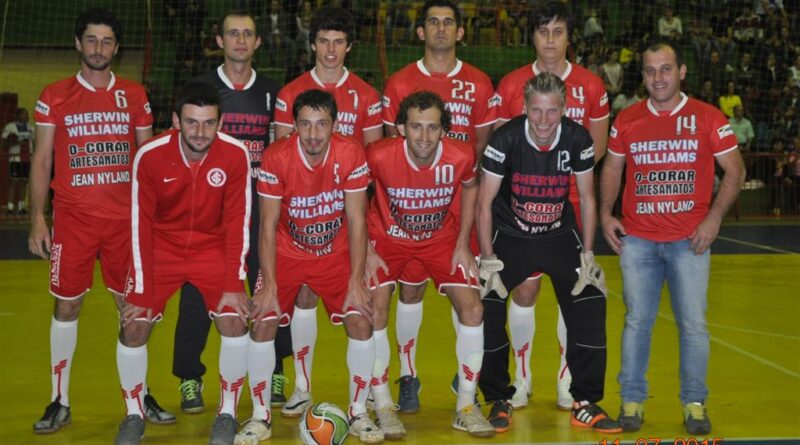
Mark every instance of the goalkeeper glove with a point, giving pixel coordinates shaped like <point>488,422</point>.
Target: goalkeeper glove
<point>490,277</point>
<point>591,273</point>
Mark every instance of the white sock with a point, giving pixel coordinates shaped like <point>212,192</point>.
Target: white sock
<point>260,364</point>
<point>469,350</point>
<point>380,372</point>
<point>409,319</point>
<point>454,319</point>
<point>561,333</point>
<point>232,369</point>
<point>132,368</point>
<point>522,326</point>
<point>63,339</point>
<point>304,338</point>
<point>360,362</point>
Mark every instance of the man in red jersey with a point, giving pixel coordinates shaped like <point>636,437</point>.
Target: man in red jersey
<point>668,146</point>
<point>87,129</point>
<point>312,187</point>
<point>359,117</point>
<point>417,179</point>
<point>587,104</point>
<point>469,97</point>
<point>190,213</point>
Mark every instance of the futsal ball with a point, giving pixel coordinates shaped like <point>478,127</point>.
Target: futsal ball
<point>323,424</point>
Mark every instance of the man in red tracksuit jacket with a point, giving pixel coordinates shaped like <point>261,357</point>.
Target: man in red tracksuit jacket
<point>189,223</point>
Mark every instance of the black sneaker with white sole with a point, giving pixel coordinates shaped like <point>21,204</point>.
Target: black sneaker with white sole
<point>55,416</point>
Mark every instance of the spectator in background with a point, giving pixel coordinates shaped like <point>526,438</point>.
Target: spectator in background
<point>213,55</point>
<point>707,93</point>
<point>299,66</point>
<point>670,27</point>
<point>630,95</point>
<point>276,36</point>
<point>301,41</point>
<point>794,71</point>
<point>188,56</point>
<point>516,18</point>
<point>745,73</point>
<point>777,178</point>
<point>485,16</point>
<point>772,74</point>
<point>716,72</point>
<point>747,28</point>
<point>612,73</point>
<point>729,100</point>
<point>722,30</point>
<point>742,128</point>
<point>701,36</point>
<point>592,29</point>
<point>794,173</point>
<point>17,139</point>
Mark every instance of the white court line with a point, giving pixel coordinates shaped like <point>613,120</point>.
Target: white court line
<point>756,245</point>
<point>735,348</point>
<point>752,331</point>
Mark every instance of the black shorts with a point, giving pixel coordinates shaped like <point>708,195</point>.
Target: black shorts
<point>19,169</point>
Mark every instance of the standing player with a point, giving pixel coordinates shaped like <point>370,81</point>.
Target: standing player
<point>87,129</point>
<point>359,116</point>
<point>189,217</point>
<point>469,97</point>
<point>312,187</point>
<point>526,224</point>
<point>417,179</point>
<point>17,138</point>
<point>668,146</point>
<point>587,104</point>
<point>247,106</point>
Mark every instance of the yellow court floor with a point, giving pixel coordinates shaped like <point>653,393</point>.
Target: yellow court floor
<point>754,377</point>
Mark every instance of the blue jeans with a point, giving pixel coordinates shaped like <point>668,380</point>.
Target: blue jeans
<point>645,266</point>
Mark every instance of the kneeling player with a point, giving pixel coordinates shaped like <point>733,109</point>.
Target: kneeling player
<point>416,180</point>
<point>313,191</point>
<point>190,216</point>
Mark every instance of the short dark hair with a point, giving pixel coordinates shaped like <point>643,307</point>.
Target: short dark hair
<point>439,4</point>
<point>659,45</point>
<point>235,13</point>
<point>331,18</point>
<point>552,10</point>
<point>97,16</point>
<point>200,94</point>
<point>317,100</point>
<point>424,100</point>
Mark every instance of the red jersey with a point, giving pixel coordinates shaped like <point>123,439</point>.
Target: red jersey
<point>95,140</point>
<point>312,222</point>
<point>192,208</point>
<point>358,104</point>
<point>415,205</point>
<point>466,91</point>
<point>587,99</point>
<point>669,165</point>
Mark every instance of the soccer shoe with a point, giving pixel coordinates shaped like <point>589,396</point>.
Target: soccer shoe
<point>365,429</point>
<point>564,400</point>
<point>154,413</point>
<point>388,422</point>
<point>297,403</point>
<point>592,416</point>
<point>500,415</point>
<point>277,399</point>
<point>408,396</point>
<point>631,416</point>
<point>253,432</point>
<point>131,431</point>
<point>521,394</point>
<point>223,431</point>
<point>695,419</point>
<point>454,388</point>
<point>471,420</point>
<point>55,416</point>
<point>191,396</point>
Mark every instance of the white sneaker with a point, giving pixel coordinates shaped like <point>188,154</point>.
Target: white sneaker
<point>253,432</point>
<point>389,423</point>
<point>521,395</point>
<point>564,401</point>
<point>297,404</point>
<point>365,429</point>
<point>472,421</point>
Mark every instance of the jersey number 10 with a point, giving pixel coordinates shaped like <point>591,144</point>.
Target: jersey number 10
<point>444,174</point>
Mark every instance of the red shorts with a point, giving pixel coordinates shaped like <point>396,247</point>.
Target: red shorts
<point>327,276</point>
<point>174,267</point>
<point>78,240</point>
<point>434,259</point>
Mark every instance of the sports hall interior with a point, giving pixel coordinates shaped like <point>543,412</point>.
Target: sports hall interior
<point>753,299</point>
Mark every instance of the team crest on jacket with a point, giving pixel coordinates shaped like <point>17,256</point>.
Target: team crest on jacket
<point>216,177</point>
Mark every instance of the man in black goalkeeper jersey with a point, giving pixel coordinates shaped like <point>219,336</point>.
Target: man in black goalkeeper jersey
<point>526,224</point>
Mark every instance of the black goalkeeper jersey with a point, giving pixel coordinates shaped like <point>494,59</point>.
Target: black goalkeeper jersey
<point>247,112</point>
<point>532,200</point>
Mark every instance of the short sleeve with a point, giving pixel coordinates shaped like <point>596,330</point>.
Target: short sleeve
<point>583,152</point>
<point>44,114</point>
<point>722,136</point>
<point>494,157</point>
<point>358,177</point>
<point>271,184</point>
